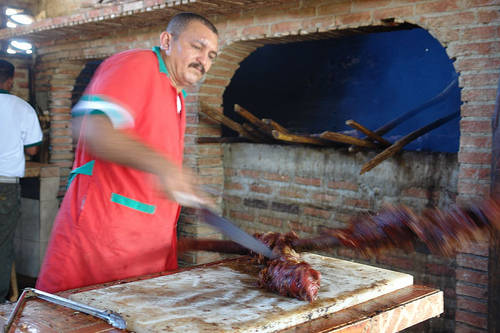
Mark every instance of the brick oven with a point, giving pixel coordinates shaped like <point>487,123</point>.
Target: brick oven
<point>303,188</point>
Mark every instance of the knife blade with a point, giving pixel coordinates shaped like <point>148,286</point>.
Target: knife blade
<point>224,226</point>
<point>236,234</point>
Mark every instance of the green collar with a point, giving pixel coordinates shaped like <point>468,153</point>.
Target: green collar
<point>162,66</point>
<point>4,91</point>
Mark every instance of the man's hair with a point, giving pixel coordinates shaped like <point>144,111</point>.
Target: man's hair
<point>6,70</point>
<point>180,21</point>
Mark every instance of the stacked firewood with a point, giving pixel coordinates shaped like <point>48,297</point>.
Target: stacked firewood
<point>269,131</point>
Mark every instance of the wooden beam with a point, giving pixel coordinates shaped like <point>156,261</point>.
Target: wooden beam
<point>256,122</point>
<point>220,118</point>
<point>372,135</point>
<point>294,138</point>
<point>398,145</point>
<point>339,137</point>
<point>274,125</point>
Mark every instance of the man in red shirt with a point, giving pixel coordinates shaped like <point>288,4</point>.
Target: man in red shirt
<point>119,215</point>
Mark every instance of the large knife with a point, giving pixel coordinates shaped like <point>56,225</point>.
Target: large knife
<point>225,226</point>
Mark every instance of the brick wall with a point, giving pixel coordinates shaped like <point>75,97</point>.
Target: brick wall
<point>470,30</point>
<point>282,188</point>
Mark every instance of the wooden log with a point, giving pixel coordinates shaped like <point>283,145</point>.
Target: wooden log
<point>439,97</point>
<point>256,134</point>
<point>338,137</point>
<point>398,145</point>
<point>229,123</point>
<point>256,122</point>
<point>372,135</point>
<point>274,125</point>
<point>295,138</point>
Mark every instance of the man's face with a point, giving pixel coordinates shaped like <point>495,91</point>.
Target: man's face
<point>190,55</point>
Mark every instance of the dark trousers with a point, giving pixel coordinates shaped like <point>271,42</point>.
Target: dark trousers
<point>10,203</point>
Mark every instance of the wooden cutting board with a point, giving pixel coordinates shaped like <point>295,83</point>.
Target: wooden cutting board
<point>225,297</point>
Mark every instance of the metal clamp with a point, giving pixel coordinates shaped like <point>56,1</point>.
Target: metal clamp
<point>112,318</point>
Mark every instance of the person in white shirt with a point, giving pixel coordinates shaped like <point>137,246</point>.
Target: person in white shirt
<point>20,133</point>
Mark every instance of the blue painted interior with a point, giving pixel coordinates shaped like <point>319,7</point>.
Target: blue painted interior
<point>311,87</point>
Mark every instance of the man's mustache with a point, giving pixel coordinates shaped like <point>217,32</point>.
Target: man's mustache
<point>198,66</point>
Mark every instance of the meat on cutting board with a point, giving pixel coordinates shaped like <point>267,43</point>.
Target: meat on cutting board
<point>287,274</point>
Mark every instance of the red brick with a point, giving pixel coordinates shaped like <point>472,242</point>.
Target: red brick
<point>416,192</point>
<point>393,261</point>
<point>291,193</point>
<point>324,197</point>
<point>469,110</point>
<point>241,216</point>
<point>479,94</point>
<point>250,173</point>
<point>472,291</point>
<point>474,157</point>
<point>480,190</point>
<point>271,221</point>
<point>232,199</point>
<point>472,319</point>
<point>474,173</point>
<point>479,79</point>
<point>343,186</point>
<point>475,126</point>
<point>317,23</point>
<point>233,186</point>
<point>478,3</point>
<point>397,12</point>
<point>356,19</point>
<point>297,226</point>
<point>358,5</point>
<point>468,275</point>
<point>449,20</point>
<point>478,33</point>
<point>471,261</point>
<point>480,48</point>
<point>286,27</point>
<point>260,189</point>
<point>439,269</point>
<point>275,176</point>
<point>317,212</point>
<point>470,64</point>
<point>359,203</point>
<point>476,248</point>
<point>334,8</point>
<point>462,328</point>
<point>308,181</point>
<point>488,16</point>
<point>436,7</point>
<point>475,141</point>
<point>468,304</point>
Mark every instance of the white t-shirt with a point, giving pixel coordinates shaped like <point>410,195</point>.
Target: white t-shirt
<point>19,127</point>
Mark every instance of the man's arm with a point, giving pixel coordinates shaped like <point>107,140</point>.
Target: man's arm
<point>32,151</point>
<point>112,145</point>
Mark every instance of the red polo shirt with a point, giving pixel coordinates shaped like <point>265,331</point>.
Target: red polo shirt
<point>113,223</point>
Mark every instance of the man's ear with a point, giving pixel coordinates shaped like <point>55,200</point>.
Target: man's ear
<point>165,41</point>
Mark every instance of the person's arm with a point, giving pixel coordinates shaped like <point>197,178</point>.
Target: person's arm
<point>115,146</point>
<point>32,151</point>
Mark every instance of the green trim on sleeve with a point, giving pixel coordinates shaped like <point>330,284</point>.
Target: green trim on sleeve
<point>86,169</point>
<point>131,203</point>
<point>184,93</point>
<point>33,144</point>
<point>94,104</point>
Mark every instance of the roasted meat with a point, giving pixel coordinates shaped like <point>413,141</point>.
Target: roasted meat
<point>287,274</point>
